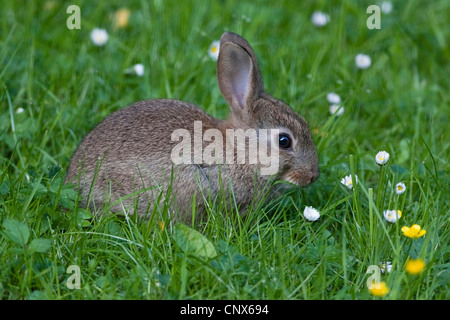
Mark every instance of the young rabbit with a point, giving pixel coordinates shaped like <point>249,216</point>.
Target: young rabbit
<point>128,160</point>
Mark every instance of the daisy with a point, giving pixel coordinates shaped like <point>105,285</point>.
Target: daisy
<point>347,181</point>
<point>336,108</point>
<point>99,36</point>
<point>214,49</point>
<point>319,18</point>
<point>392,215</point>
<point>400,188</point>
<point>386,267</point>
<point>139,69</point>
<point>386,7</point>
<point>333,98</point>
<point>362,61</point>
<point>311,214</point>
<point>382,158</point>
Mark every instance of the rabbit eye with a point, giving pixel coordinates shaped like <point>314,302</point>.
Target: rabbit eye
<point>284,141</point>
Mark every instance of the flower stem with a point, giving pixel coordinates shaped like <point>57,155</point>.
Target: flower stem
<point>371,218</point>
<point>355,189</point>
<point>380,191</point>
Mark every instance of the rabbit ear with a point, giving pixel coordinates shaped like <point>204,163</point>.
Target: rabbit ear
<point>237,72</point>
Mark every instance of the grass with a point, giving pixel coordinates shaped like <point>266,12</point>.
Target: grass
<point>65,85</point>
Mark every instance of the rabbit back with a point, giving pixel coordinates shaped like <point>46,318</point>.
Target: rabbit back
<point>130,153</point>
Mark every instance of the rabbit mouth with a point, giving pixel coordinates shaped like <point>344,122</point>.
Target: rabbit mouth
<point>301,178</point>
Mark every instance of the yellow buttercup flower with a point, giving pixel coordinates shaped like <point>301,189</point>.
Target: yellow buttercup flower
<point>414,232</point>
<point>121,17</point>
<point>414,266</point>
<point>50,5</point>
<point>379,289</point>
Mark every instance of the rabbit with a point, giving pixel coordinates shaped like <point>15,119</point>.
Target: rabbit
<point>126,162</point>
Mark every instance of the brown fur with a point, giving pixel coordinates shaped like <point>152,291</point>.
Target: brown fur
<point>129,152</point>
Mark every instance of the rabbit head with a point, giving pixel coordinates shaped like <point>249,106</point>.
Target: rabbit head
<point>242,87</point>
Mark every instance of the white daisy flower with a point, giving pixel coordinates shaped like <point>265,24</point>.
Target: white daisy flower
<point>386,7</point>
<point>214,49</point>
<point>347,181</point>
<point>99,36</point>
<point>362,61</point>
<point>311,214</point>
<point>400,188</point>
<point>333,98</point>
<point>319,18</point>
<point>139,69</point>
<point>382,158</point>
<point>392,215</point>
<point>336,108</point>
<point>386,267</point>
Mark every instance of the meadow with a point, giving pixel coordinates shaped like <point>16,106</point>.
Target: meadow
<point>56,84</point>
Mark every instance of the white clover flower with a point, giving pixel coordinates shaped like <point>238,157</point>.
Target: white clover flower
<point>386,7</point>
<point>347,181</point>
<point>400,188</point>
<point>392,215</point>
<point>362,61</point>
<point>214,49</point>
<point>336,108</point>
<point>333,98</point>
<point>19,110</point>
<point>386,267</point>
<point>139,69</point>
<point>319,18</point>
<point>99,36</point>
<point>382,158</point>
<point>311,214</point>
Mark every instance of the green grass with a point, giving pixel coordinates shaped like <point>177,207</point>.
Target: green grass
<point>66,85</point>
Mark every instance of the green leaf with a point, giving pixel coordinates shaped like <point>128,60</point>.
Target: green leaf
<point>193,242</point>
<point>40,245</point>
<point>53,171</point>
<point>67,197</point>
<point>114,229</point>
<point>16,231</point>
<point>15,250</point>
<point>38,295</point>
<point>5,187</point>
<point>397,169</point>
<point>39,189</point>
<point>82,217</point>
<point>230,259</point>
